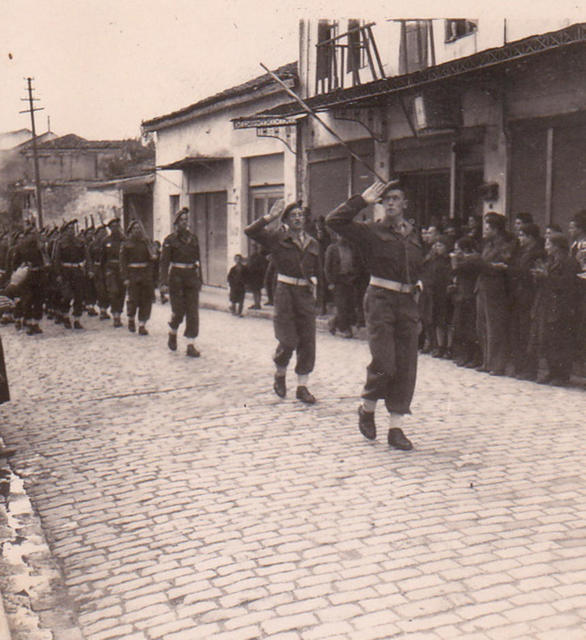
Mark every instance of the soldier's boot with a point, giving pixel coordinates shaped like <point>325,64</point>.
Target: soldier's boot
<point>280,386</point>
<point>192,352</point>
<point>104,315</point>
<point>131,324</point>
<point>67,322</point>
<point>305,395</point>
<point>172,341</point>
<point>398,440</point>
<point>77,324</point>
<point>366,423</point>
<point>142,330</point>
<point>33,329</point>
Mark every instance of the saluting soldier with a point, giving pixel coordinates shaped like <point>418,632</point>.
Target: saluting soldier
<point>180,277</point>
<point>394,258</point>
<point>296,258</point>
<point>110,262</point>
<point>70,263</point>
<point>136,265</point>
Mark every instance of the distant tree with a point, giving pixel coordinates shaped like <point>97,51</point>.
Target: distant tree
<point>133,158</point>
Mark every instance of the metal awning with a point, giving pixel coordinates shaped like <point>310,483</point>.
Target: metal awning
<point>377,92</point>
<point>194,161</point>
<point>127,184</point>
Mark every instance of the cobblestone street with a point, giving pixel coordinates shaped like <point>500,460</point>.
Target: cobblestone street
<point>182,499</point>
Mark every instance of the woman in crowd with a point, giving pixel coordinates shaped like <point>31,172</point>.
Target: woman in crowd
<point>557,306</point>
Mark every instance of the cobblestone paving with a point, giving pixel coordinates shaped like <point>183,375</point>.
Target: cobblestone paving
<point>183,500</point>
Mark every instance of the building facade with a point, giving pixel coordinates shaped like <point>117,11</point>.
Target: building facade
<point>473,116</point>
<point>224,175</point>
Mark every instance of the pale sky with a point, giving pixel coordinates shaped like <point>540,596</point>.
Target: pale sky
<point>102,66</point>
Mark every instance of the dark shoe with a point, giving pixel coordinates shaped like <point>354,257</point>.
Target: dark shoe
<point>142,331</point>
<point>172,341</point>
<point>131,325</point>
<point>332,326</point>
<point>67,323</point>
<point>117,323</point>
<point>305,395</point>
<point>280,386</point>
<point>192,352</point>
<point>398,440</point>
<point>104,315</point>
<point>33,330</point>
<point>366,423</point>
<point>77,324</point>
<point>91,312</point>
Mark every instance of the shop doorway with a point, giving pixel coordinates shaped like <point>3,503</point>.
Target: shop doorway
<point>209,220</point>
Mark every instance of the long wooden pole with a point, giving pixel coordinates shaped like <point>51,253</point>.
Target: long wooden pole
<point>314,115</point>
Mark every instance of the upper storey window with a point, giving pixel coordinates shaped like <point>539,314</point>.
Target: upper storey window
<point>458,28</point>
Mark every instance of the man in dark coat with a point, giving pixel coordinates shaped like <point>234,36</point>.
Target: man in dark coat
<point>341,273</point>
<point>180,277</point>
<point>394,257</point>
<point>296,257</point>
<point>136,265</point>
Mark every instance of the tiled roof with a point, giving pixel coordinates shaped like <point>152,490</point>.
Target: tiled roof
<point>71,141</point>
<point>286,72</point>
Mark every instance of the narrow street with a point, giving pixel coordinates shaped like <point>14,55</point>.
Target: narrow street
<point>181,499</point>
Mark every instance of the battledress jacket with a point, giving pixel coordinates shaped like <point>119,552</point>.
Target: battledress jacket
<point>289,258</point>
<point>387,253</point>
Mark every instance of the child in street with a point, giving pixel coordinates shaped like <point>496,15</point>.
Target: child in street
<point>237,283</point>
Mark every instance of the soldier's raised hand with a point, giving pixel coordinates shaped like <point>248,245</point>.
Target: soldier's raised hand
<point>374,193</point>
<point>276,210</point>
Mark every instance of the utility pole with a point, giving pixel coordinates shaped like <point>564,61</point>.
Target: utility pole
<point>32,110</point>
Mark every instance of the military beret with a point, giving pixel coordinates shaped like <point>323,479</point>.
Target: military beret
<point>181,212</point>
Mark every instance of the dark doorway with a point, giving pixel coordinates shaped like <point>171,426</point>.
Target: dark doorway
<point>209,220</point>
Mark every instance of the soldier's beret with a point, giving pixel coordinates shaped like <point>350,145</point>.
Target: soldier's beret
<point>181,212</point>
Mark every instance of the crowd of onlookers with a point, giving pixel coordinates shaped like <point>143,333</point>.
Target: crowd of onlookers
<point>503,301</point>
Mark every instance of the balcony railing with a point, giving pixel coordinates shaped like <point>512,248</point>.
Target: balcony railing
<point>342,58</point>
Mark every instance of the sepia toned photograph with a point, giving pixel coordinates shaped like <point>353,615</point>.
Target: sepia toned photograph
<point>292,320</point>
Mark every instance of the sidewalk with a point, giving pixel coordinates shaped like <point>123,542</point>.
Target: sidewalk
<point>217,298</point>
